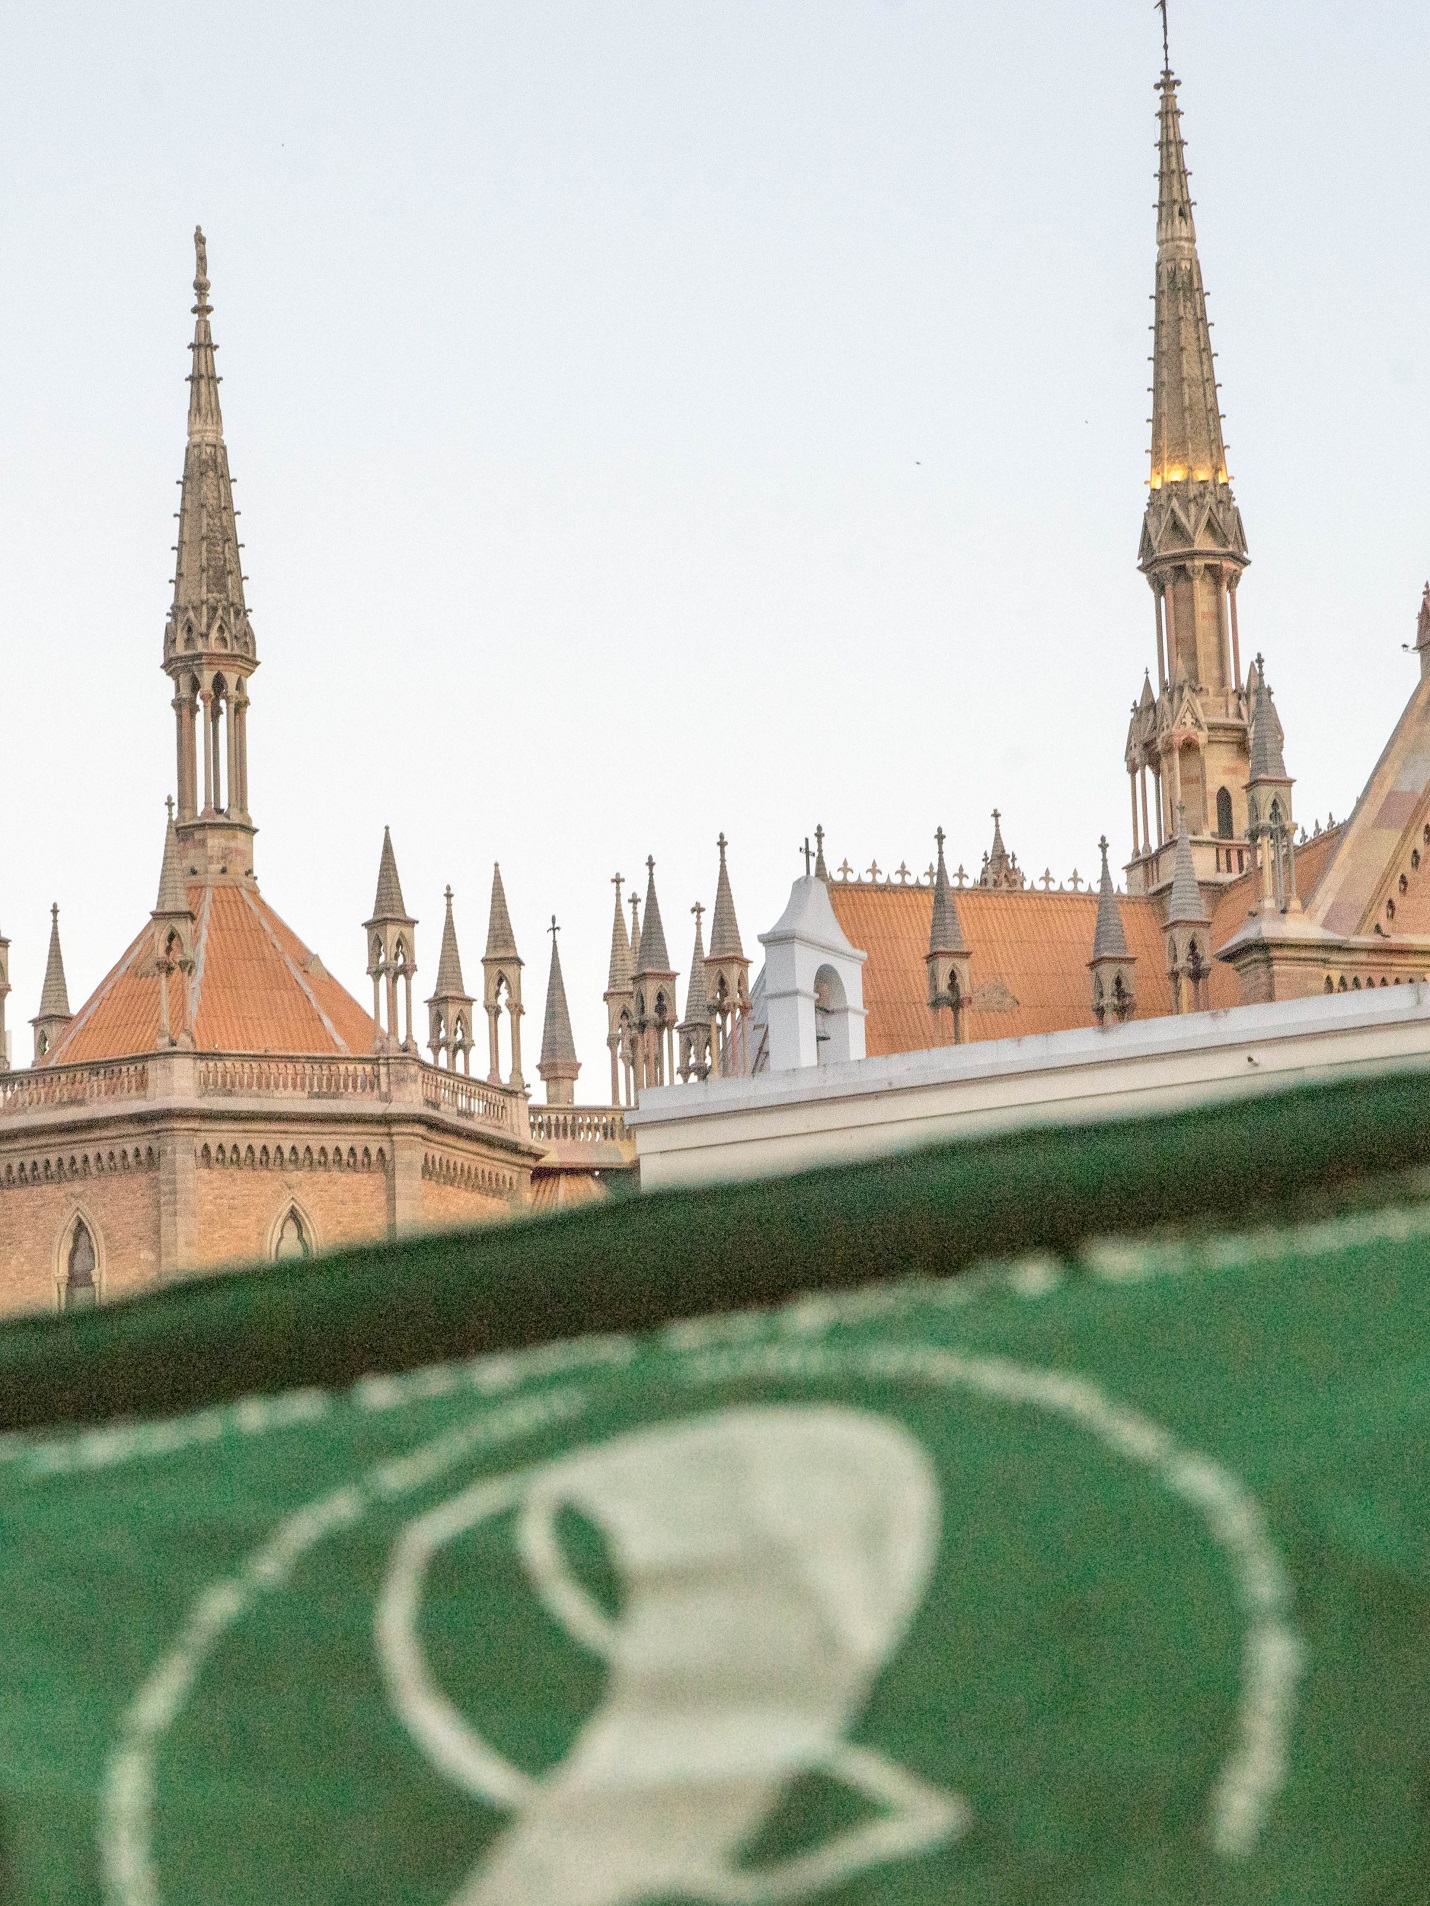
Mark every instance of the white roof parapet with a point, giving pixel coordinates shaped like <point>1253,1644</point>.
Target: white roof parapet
<point>783,1121</point>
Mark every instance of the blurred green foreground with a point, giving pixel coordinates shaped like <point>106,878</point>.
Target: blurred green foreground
<point>1045,1519</point>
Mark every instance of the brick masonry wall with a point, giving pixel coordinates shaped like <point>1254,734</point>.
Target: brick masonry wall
<point>240,1208</point>
<point>37,1224</point>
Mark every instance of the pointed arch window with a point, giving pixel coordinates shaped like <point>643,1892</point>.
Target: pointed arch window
<point>80,1291</point>
<point>1223,813</point>
<point>293,1239</point>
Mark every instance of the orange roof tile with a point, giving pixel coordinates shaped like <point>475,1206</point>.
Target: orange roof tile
<point>1030,953</point>
<point>255,988</point>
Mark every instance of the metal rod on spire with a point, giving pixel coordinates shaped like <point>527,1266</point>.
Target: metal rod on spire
<point>1160,6</point>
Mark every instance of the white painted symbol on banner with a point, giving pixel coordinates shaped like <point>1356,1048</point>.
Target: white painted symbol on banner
<point>770,1562</point>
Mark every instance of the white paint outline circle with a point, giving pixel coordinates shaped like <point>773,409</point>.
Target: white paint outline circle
<point>1272,1650</point>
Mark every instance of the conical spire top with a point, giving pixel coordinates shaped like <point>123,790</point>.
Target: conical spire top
<point>501,940</point>
<point>724,928</point>
<point>697,999</point>
<point>389,904</point>
<point>1187,440</point>
<point>209,611</point>
<point>821,870</point>
<point>654,958</point>
<point>1185,905</point>
<point>618,980</point>
<point>173,892</point>
<point>449,963</point>
<point>54,994</point>
<point>945,929</point>
<point>635,932</point>
<point>558,1047</point>
<point>1109,942</point>
<point>1268,762</point>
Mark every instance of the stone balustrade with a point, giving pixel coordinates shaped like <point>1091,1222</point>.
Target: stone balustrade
<point>234,1076</point>
<point>52,1087</point>
<point>468,1098</point>
<point>579,1124</point>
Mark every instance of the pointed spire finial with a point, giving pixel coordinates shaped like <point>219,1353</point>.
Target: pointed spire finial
<point>821,871</point>
<point>1160,6</point>
<point>201,272</point>
<point>725,941</point>
<point>553,929</point>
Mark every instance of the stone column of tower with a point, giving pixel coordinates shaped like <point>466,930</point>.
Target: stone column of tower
<point>209,651</point>
<point>558,1065</point>
<point>1194,737</point>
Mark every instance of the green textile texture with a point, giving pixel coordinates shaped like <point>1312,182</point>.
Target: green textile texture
<point>1098,1574</point>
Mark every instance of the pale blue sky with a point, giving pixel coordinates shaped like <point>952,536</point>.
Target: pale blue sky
<point>654,417</point>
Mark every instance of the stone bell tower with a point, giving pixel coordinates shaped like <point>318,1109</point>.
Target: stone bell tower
<point>209,651</point>
<point>1189,745</point>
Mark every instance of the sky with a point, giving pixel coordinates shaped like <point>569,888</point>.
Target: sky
<point>659,417</point>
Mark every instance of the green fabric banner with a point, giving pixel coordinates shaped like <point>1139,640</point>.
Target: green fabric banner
<point>1097,1573</point>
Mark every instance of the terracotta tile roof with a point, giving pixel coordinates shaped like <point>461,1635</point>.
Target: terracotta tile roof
<point>1030,953</point>
<point>255,988</point>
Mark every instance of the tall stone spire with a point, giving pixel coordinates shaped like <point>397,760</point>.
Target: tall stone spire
<point>209,651</point>
<point>558,1065</point>
<point>54,1014</point>
<point>1194,746</point>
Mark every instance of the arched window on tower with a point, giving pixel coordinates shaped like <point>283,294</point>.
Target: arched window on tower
<point>1223,813</point>
<point>293,1239</point>
<point>80,1291</point>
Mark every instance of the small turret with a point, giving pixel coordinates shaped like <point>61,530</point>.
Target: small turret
<point>558,1065</point>
<point>174,951</point>
<point>449,1010</point>
<point>727,981</point>
<point>656,1010</point>
<point>1000,868</point>
<point>1111,964</point>
<point>1188,929</point>
<point>948,959</point>
<point>391,953</point>
<point>54,1014</point>
<point>695,1027</point>
<point>620,1002</point>
<point>1268,801</point>
<point>501,984</point>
